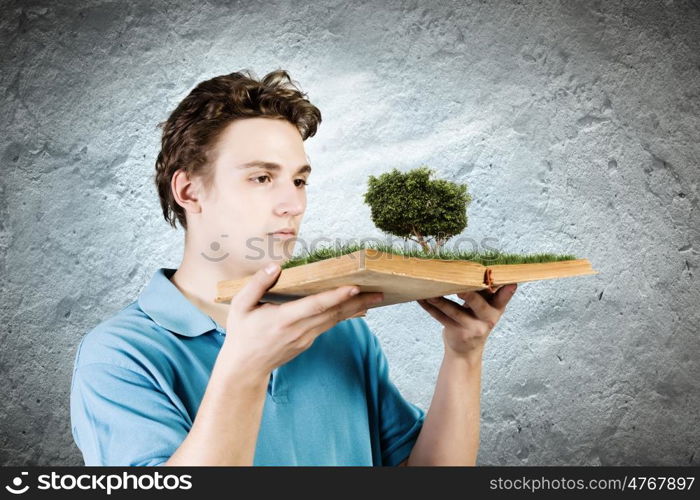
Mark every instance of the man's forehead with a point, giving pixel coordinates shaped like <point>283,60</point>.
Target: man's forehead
<point>274,145</point>
<point>262,130</point>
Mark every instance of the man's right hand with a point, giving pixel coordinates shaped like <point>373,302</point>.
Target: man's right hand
<point>259,338</point>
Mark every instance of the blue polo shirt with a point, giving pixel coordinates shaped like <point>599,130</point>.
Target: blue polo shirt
<point>139,377</point>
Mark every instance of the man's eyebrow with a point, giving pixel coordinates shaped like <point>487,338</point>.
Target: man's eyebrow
<point>271,166</point>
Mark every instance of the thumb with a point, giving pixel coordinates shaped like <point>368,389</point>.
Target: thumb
<point>254,289</point>
<point>503,296</point>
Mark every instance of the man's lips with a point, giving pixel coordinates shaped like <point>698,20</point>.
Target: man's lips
<point>286,230</point>
<point>283,234</point>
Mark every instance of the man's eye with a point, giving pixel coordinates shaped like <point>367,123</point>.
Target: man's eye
<point>261,177</point>
<point>255,179</point>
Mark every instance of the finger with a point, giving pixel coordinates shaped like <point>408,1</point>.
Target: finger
<point>503,296</point>
<point>319,323</point>
<point>438,314</point>
<point>359,314</point>
<point>254,289</point>
<point>481,307</point>
<point>486,293</point>
<point>459,313</point>
<point>349,308</point>
<point>315,304</point>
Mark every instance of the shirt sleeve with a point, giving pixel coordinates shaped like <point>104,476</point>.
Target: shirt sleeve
<point>400,421</point>
<point>121,418</point>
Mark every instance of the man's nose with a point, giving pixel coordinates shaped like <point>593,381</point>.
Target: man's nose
<point>293,201</point>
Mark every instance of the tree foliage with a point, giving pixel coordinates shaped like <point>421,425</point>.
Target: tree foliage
<point>412,206</point>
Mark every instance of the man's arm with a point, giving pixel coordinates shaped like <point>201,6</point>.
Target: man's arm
<point>450,433</point>
<point>225,430</point>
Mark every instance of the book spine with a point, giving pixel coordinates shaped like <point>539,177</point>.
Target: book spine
<point>488,280</point>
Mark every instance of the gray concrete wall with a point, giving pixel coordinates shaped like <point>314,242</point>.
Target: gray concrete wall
<point>575,125</point>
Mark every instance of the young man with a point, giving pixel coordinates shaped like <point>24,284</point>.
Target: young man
<point>177,379</point>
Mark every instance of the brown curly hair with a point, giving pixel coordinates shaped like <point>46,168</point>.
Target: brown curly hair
<point>191,131</point>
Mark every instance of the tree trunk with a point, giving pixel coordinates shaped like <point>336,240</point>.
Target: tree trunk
<point>421,241</point>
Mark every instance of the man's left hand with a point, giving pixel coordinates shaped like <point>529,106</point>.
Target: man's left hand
<point>467,326</point>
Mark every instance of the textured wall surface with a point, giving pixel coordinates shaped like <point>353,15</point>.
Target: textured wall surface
<point>574,124</point>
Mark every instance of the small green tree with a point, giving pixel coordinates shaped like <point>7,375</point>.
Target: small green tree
<point>412,206</point>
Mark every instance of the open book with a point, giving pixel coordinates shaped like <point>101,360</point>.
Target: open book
<point>402,278</point>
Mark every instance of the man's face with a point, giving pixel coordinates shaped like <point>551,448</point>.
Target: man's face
<point>247,203</point>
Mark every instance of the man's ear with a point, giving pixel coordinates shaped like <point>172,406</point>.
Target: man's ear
<point>186,191</point>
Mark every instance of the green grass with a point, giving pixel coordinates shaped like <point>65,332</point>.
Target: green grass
<point>486,258</point>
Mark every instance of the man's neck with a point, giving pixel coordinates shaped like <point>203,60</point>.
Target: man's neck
<point>196,278</point>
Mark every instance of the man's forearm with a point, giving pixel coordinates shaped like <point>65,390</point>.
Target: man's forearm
<point>225,430</point>
<point>450,432</point>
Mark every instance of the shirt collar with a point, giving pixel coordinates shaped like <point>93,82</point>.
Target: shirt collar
<point>165,304</point>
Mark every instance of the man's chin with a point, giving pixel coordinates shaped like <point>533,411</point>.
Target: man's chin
<point>281,249</point>
<point>283,240</point>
